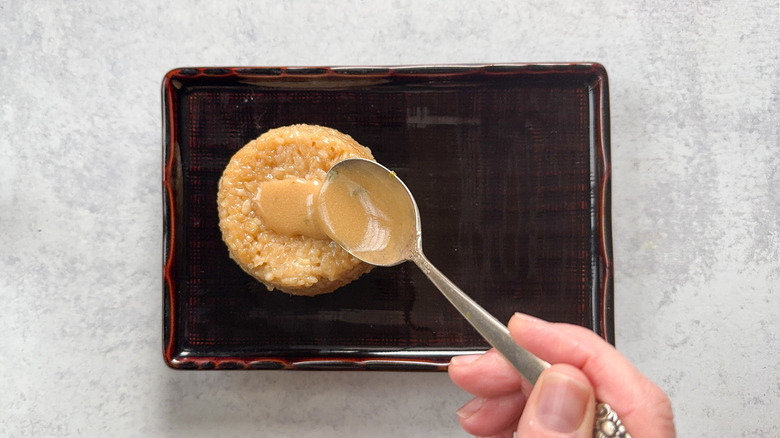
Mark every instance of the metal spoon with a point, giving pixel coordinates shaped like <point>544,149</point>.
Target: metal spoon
<point>390,234</point>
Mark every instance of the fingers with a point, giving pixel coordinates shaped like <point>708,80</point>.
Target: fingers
<point>491,416</point>
<point>641,405</point>
<point>562,404</point>
<point>487,375</point>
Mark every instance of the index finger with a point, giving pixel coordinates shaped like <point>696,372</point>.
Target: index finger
<point>642,406</point>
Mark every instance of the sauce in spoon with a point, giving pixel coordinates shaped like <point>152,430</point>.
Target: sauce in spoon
<point>369,212</point>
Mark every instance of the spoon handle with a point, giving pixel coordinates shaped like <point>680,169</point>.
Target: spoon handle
<point>606,425</point>
<point>486,324</point>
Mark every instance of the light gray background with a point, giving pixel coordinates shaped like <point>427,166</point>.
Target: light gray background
<point>695,127</point>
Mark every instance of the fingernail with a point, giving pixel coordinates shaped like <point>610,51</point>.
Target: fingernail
<point>465,360</point>
<point>470,408</point>
<point>562,403</point>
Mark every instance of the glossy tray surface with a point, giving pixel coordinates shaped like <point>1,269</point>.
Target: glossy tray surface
<point>509,165</point>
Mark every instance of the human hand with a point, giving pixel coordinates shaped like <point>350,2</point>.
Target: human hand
<point>562,403</point>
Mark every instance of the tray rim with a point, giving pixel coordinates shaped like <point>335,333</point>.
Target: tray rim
<point>431,360</point>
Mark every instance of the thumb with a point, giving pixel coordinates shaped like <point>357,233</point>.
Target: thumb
<point>562,404</point>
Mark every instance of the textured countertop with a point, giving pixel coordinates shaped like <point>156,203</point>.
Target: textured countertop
<point>695,98</point>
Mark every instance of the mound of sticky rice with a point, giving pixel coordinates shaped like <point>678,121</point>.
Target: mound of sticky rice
<point>295,264</point>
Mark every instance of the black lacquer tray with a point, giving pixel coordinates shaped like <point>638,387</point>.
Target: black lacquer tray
<point>509,165</point>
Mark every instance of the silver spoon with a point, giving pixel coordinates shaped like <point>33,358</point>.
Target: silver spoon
<point>369,211</point>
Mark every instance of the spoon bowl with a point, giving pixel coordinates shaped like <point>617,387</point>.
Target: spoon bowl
<point>369,211</point>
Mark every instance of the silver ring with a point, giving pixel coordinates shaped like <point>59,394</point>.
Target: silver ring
<point>607,424</point>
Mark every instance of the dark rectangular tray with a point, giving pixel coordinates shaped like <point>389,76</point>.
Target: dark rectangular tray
<point>510,168</point>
